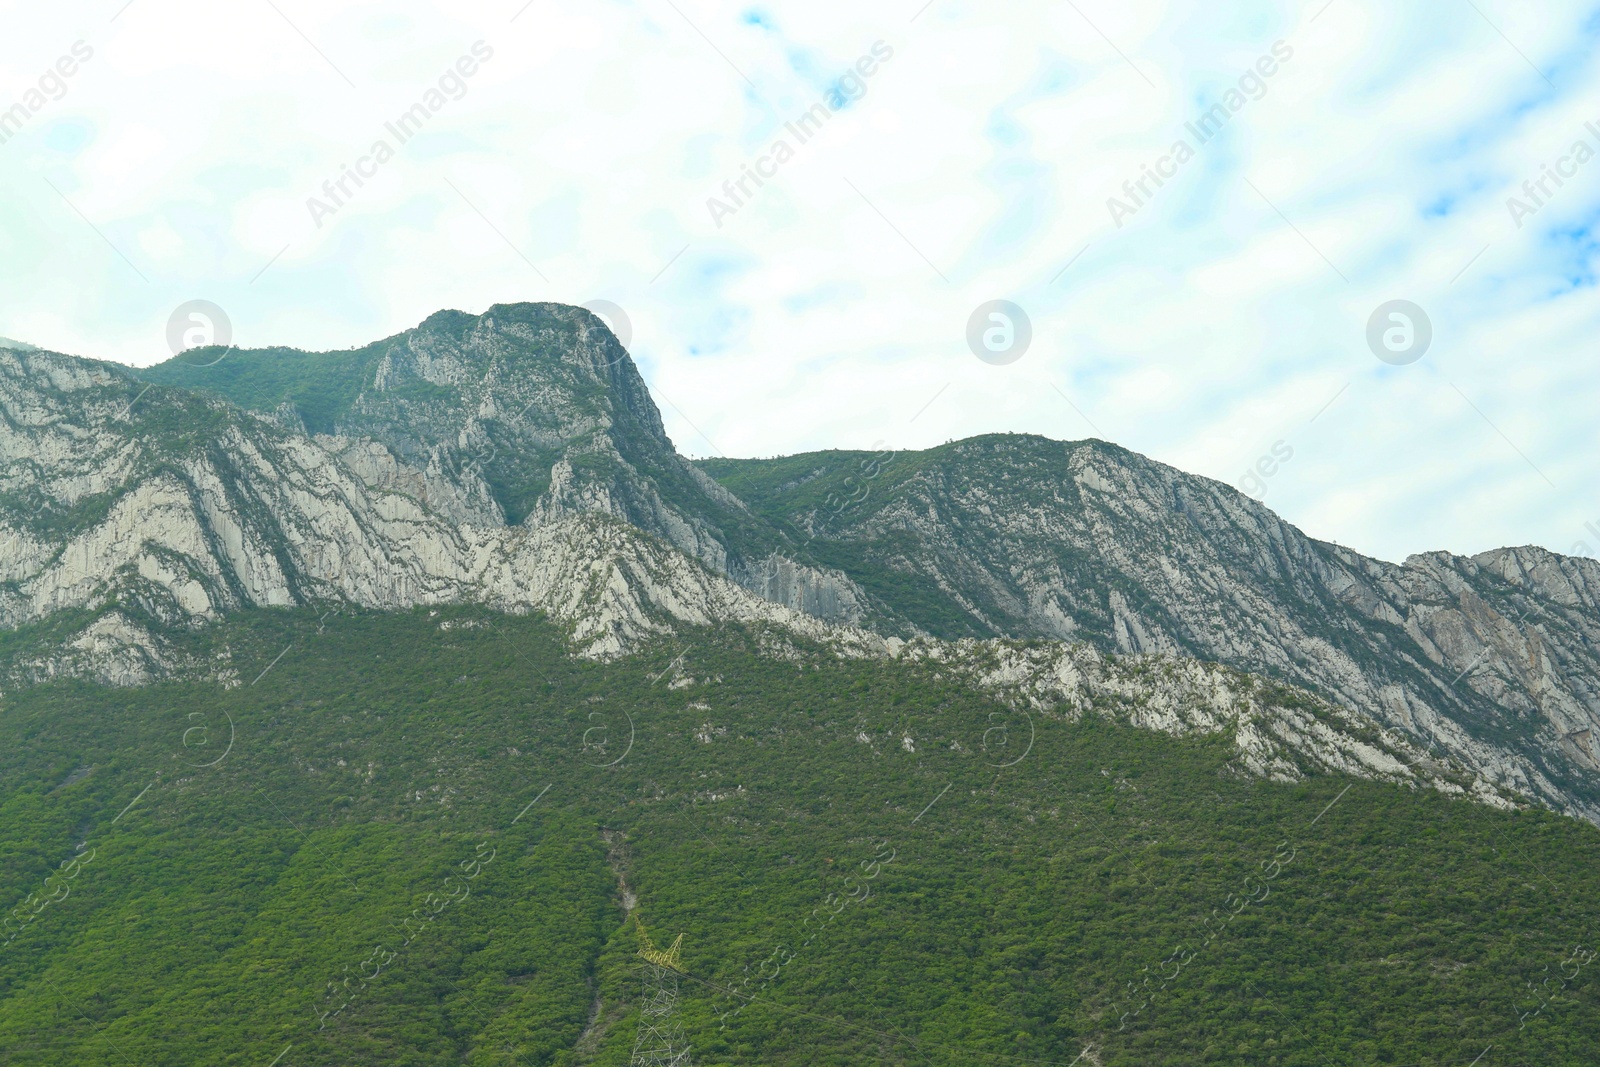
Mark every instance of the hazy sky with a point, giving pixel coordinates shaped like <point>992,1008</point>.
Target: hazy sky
<point>169,150</point>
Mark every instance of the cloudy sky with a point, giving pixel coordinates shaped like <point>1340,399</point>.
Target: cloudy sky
<point>1356,153</point>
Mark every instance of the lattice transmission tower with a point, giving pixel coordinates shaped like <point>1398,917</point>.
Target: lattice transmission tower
<point>660,1041</point>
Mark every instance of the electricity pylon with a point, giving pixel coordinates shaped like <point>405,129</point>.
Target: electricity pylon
<point>660,1041</point>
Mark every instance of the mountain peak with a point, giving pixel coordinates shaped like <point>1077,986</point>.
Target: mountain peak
<point>389,474</point>
<point>533,314</point>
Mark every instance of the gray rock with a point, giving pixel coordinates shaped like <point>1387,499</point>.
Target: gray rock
<point>516,460</point>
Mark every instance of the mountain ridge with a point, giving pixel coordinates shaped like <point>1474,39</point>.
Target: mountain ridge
<point>515,459</point>
<point>542,404</point>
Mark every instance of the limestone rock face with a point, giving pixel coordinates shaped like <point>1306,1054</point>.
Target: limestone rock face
<point>1279,732</point>
<point>527,414</point>
<point>515,460</point>
<point>1021,537</point>
<point>184,507</point>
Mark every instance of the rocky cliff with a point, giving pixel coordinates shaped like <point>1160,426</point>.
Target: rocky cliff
<point>533,412</point>
<point>1018,536</point>
<point>150,508</point>
<point>515,460</point>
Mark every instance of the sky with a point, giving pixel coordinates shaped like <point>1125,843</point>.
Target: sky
<point>1232,315</point>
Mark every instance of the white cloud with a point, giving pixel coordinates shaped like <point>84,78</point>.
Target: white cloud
<point>1203,331</point>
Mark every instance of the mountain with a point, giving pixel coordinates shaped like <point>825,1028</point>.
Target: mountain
<point>530,412</point>
<point>515,459</point>
<point>158,509</point>
<point>1017,536</point>
<point>431,837</point>
<point>373,707</point>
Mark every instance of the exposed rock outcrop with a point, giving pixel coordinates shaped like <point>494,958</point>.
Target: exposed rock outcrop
<point>515,460</point>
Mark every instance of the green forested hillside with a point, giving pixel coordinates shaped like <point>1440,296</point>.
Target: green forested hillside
<point>360,877</point>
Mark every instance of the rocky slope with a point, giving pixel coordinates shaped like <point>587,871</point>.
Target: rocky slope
<point>149,509</point>
<point>536,412</point>
<point>515,460</point>
<point>1011,535</point>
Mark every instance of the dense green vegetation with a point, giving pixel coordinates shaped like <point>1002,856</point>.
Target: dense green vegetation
<point>846,510</point>
<point>320,386</point>
<point>833,484</point>
<point>359,878</point>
